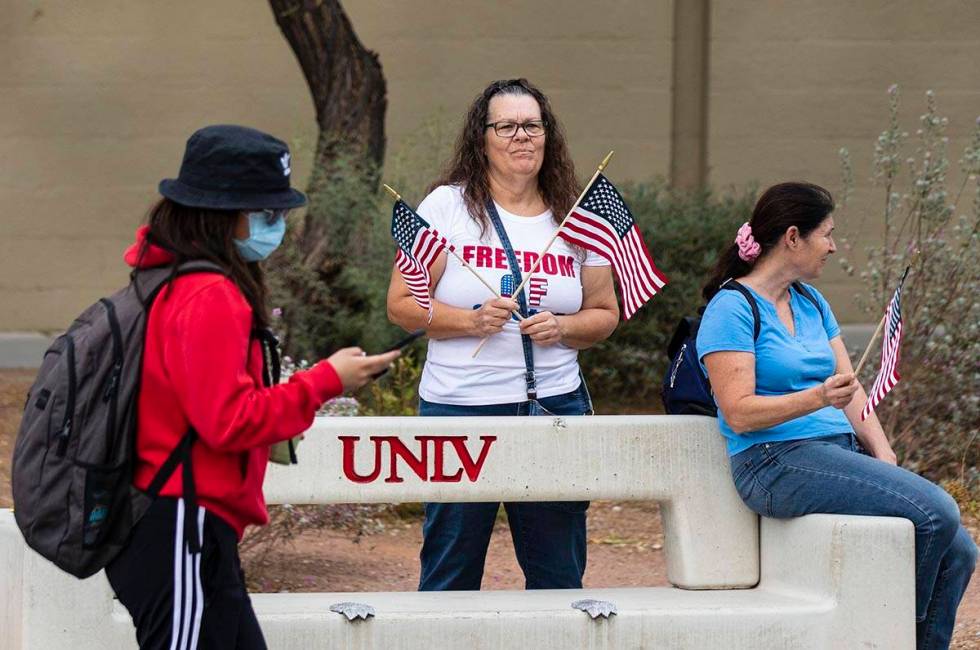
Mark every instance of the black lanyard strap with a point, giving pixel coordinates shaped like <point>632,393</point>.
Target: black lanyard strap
<point>515,271</point>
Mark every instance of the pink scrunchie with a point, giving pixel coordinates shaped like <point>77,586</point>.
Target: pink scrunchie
<point>748,248</point>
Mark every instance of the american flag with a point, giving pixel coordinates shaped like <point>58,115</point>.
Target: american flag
<point>537,289</point>
<point>602,223</point>
<point>418,247</point>
<point>506,285</point>
<point>888,374</point>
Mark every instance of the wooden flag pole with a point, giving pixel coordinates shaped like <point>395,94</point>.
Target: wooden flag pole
<point>537,263</point>
<point>881,324</point>
<point>479,347</point>
<point>398,197</point>
<point>867,350</point>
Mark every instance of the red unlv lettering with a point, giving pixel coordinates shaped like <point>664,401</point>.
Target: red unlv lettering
<point>418,464</point>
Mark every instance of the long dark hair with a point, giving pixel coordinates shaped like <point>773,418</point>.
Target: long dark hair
<point>803,205</point>
<point>202,234</point>
<point>469,167</point>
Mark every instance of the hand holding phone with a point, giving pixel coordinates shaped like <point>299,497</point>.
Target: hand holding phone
<point>399,345</point>
<point>355,368</point>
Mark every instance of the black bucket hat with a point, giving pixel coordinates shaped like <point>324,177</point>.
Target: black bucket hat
<point>228,167</point>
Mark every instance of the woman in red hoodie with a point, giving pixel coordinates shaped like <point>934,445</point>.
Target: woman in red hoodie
<point>202,387</point>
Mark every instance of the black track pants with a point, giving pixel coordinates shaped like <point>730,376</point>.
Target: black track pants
<point>181,601</point>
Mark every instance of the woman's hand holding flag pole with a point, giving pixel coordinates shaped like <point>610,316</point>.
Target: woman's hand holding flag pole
<point>601,222</point>
<point>537,263</point>
<point>418,247</point>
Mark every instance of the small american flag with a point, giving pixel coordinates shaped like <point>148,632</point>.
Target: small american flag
<point>418,247</point>
<point>506,285</point>
<point>537,289</point>
<point>602,223</point>
<point>888,374</point>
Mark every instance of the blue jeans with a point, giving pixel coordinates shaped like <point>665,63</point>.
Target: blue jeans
<point>830,475</point>
<point>549,537</point>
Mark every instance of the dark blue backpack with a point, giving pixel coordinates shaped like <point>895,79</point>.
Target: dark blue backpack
<point>686,390</point>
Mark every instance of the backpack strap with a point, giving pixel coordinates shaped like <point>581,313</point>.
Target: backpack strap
<point>271,362</point>
<point>148,283</point>
<point>181,455</point>
<point>272,372</point>
<point>734,285</point>
<point>742,289</point>
<point>803,291</point>
<point>190,496</point>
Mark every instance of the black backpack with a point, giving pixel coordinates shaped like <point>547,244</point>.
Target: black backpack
<point>686,390</point>
<point>73,460</point>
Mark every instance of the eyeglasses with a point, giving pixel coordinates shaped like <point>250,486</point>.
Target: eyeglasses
<point>272,216</point>
<point>533,129</point>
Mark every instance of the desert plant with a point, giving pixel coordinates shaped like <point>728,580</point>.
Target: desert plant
<point>335,303</point>
<point>342,303</point>
<point>933,415</point>
<point>397,393</point>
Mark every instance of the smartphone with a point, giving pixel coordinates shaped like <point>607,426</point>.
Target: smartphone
<point>399,345</point>
<point>405,341</point>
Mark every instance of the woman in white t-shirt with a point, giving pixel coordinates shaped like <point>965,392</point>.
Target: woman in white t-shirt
<point>509,184</point>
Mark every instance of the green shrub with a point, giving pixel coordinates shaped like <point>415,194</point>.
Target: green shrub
<point>342,303</point>
<point>685,232</point>
<point>932,416</point>
<point>396,393</point>
<point>332,301</point>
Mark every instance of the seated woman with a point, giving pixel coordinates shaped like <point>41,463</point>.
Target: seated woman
<point>789,403</point>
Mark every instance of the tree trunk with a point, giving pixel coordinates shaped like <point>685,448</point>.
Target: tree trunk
<point>348,91</point>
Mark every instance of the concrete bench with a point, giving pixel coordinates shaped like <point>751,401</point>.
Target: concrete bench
<point>820,581</point>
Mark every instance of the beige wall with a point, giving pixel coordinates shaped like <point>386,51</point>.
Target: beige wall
<point>98,98</point>
<point>607,72</point>
<point>97,103</point>
<point>792,82</point>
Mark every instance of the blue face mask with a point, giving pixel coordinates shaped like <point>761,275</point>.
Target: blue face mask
<point>265,232</point>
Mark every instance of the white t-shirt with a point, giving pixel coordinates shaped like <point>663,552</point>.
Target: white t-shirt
<point>496,376</point>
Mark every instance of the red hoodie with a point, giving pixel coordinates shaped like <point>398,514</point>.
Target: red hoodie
<point>202,368</point>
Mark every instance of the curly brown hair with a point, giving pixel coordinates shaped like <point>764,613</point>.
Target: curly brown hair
<point>468,166</point>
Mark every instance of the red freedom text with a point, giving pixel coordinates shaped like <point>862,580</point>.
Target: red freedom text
<point>496,258</point>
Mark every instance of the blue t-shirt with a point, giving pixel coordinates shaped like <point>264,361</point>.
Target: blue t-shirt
<point>783,363</point>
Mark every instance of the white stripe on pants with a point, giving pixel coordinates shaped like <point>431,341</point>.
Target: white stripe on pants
<point>188,592</point>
